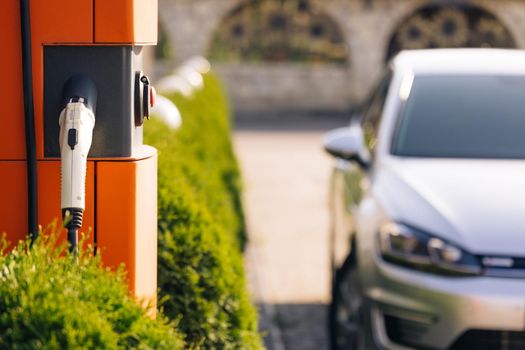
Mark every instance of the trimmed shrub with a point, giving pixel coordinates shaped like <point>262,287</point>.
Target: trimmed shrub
<point>201,225</point>
<point>50,300</point>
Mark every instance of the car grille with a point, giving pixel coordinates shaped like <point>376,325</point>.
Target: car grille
<point>516,268</point>
<point>519,263</point>
<point>405,332</point>
<point>490,340</point>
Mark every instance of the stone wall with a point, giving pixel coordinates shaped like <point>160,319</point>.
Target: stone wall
<point>367,26</point>
<point>284,87</point>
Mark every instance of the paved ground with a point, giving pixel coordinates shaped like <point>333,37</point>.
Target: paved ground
<point>286,176</point>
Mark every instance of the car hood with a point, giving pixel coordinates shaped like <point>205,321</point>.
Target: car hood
<point>478,204</point>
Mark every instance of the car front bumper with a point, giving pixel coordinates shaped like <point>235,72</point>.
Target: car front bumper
<point>411,309</point>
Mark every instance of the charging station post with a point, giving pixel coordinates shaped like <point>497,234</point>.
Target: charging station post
<point>101,41</point>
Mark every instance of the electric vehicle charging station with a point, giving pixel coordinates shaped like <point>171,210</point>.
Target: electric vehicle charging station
<point>90,101</point>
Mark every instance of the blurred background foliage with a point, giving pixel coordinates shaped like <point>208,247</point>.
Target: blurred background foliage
<point>163,48</point>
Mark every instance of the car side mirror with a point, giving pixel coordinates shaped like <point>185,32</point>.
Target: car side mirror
<point>348,144</point>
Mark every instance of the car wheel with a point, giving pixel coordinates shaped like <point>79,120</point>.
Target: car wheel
<point>345,318</point>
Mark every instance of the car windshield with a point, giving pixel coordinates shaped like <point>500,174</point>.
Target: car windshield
<point>463,117</point>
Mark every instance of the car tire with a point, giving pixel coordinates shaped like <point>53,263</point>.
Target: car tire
<point>345,314</point>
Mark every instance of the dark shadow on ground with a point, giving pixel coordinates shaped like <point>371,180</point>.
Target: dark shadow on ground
<point>290,122</point>
<point>299,326</point>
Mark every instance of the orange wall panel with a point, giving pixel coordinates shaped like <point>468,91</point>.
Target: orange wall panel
<point>13,201</point>
<point>126,21</point>
<point>145,21</point>
<point>12,139</point>
<point>116,194</point>
<point>127,220</point>
<point>55,22</point>
<point>146,222</point>
<point>62,21</point>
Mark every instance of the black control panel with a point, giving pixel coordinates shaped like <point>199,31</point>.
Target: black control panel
<point>114,69</point>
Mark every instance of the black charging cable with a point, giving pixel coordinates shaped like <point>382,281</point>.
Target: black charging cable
<point>29,113</point>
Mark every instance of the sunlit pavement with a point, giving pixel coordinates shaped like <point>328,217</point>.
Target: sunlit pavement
<point>286,177</point>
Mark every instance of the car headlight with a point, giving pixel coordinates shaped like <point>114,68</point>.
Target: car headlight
<point>410,247</point>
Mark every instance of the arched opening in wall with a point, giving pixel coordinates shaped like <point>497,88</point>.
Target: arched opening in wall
<point>450,26</point>
<point>278,31</point>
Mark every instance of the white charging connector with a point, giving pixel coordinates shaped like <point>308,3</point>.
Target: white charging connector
<point>77,121</point>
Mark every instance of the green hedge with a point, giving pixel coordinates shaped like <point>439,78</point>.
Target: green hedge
<point>48,300</point>
<point>201,226</point>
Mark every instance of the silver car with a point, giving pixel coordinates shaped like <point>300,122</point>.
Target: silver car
<point>428,206</point>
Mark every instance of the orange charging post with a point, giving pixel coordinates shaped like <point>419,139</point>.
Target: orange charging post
<point>103,41</point>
